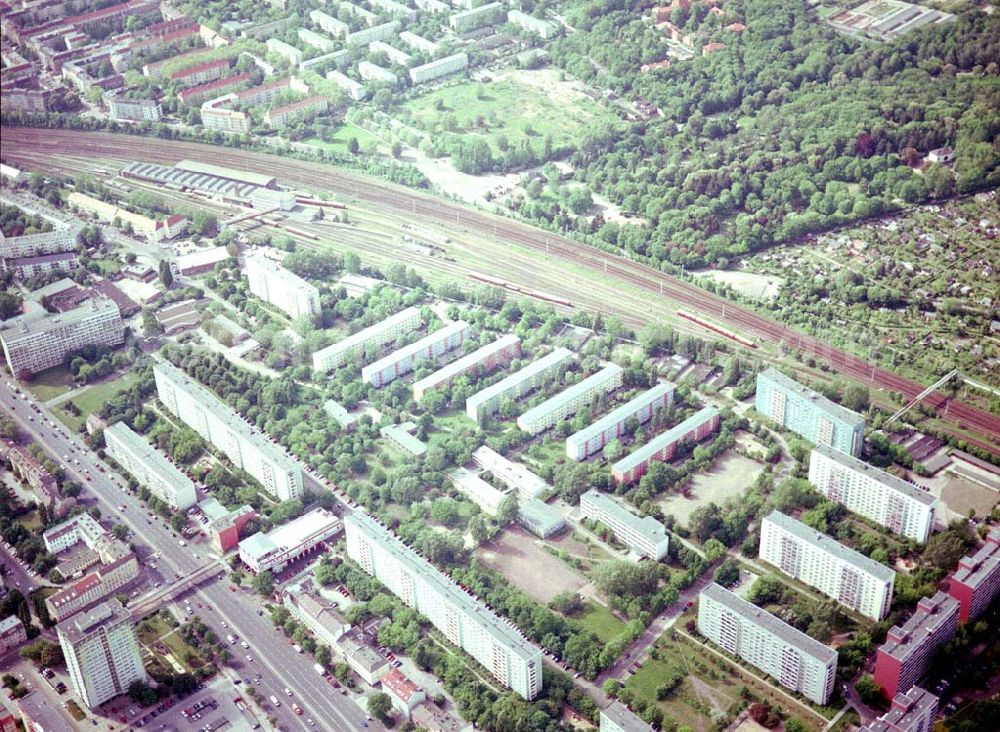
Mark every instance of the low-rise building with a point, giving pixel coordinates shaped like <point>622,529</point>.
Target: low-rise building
<point>200,73</point>
<point>316,40</point>
<point>514,475</point>
<point>363,660</point>
<point>906,655</point>
<point>393,54</point>
<point>418,43</point>
<point>616,717</point>
<point>644,536</point>
<point>274,551</point>
<point>329,24</point>
<point>569,401</point>
<point>196,95</point>
<point>355,89</point>
<point>132,110</point>
<point>539,518</point>
<point>976,582</point>
<point>477,490</point>
<point>404,694</point>
<point>12,633</point>
<point>318,615</point>
<point>290,53</point>
<point>376,33</point>
<point>282,116</point>
<point>401,435</point>
<point>337,410</point>
<point>101,584</point>
<point>374,337</point>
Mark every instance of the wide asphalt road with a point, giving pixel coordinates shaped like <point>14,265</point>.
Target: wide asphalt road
<point>273,656</point>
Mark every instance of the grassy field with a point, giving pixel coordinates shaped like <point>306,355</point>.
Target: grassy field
<point>478,109</point>
<point>600,621</point>
<point>51,383</point>
<point>338,141</point>
<point>92,399</point>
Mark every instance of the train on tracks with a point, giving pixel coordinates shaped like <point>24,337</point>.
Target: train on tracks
<point>725,332</point>
<point>497,282</point>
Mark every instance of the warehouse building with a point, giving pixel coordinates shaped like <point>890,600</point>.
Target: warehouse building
<point>797,661</point>
<point>849,577</point>
<point>402,361</point>
<point>906,656</point>
<point>515,386</point>
<point>500,648</point>
<point>976,582</point>
<point>275,550</point>
<point>481,361</point>
<point>246,448</point>
<point>644,536</point>
<point>808,413</point>
<point>149,467</point>
<point>374,336</point>
<point>540,518</point>
<point>663,447</point>
<point>889,501</point>
<point>586,442</point>
<point>569,401</point>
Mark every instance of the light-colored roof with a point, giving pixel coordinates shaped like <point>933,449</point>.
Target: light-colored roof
<point>665,438</point>
<point>975,568</point>
<point>646,526</point>
<point>622,413</point>
<point>931,613</point>
<point>241,176</point>
<point>832,408</point>
<point>557,357</point>
<point>625,720</point>
<point>887,479</point>
<point>411,350</point>
<point>201,257</point>
<point>150,456</point>
<point>372,331</point>
<point>466,363</point>
<point>291,534</point>
<point>567,395</point>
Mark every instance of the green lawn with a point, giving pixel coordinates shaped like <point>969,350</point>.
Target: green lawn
<point>485,110</point>
<point>600,621</point>
<point>179,649</point>
<point>338,139</point>
<point>92,399</point>
<point>108,267</point>
<point>51,383</point>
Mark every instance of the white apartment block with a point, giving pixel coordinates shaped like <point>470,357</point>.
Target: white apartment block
<point>569,401</point>
<point>616,717</point>
<point>466,622</point>
<point>892,502</point>
<point>849,577</point>
<point>542,28</point>
<point>279,47</point>
<point>797,661</point>
<point>33,344</point>
<point>418,43</point>
<point>644,536</point>
<point>376,33</point>
<point>515,386</point>
<point>102,652</point>
<point>316,40</point>
<point>133,110</point>
<point>478,491</point>
<point>478,17</point>
<point>82,527</point>
<point>482,360</point>
<point>355,89</point>
<point>374,336</point>
<point>224,120</point>
<point>514,475</point>
<point>150,467</point>
<point>207,415</point>
<point>432,6</point>
<point>61,239</point>
<point>285,290</point>
<point>329,24</point>
<point>403,360</point>
<point>438,68</point>
<point>591,439</point>
<point>375,73</point>
<point>391,7</point>
<point>367,16</point>
<point>393,54</point>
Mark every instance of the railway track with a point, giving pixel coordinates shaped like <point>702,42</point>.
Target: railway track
<point>32,145</point>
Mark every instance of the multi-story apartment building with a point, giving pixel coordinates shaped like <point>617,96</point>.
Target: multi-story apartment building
<point>207,415</point>
<point>102,652</point>
<point>976,582</point>
<point>393,54</point>
<point>911,711</point>
<point>369,18</point>
<point>200,73</point>
<point>26,267</point>
<point>432,6</point>
<point>418,43</point>
<point>33,344</point>
<point>569,401</point>
<point>376,33</point>
<point>355,89</point>
<point>466,622</point>
<point>8,720</point>
<point>133,110</point>
<point>286,290</point>
<point>81,528</point>
<point>616,717</point>
<point>290,53</point>
<point>892,502</point>
<point>516,385</point>
<point>797,661</point>
<point>645,536</point>
<point>274,551</point>
<point>481,361</point>
<point>906,655</point>
<point>477,490</point>
<point>217,117</point>
<point>439,67</point>
<point>808,413</point>
<point>513,475</point>
<point>849,577</point>
<point>316,40</point>
<point>475,18</point>
<point>195,95</point>
<point>373,72</point>
<point>374,336</point>
<point>329,24</point>
<point>12,633</point>
<point>150,467</point>
<point>61,239</point>
<point>92,588</point>
<point>583,444</point>
<point>663,447</point>
<point>402,361</point>
<point>391,7</point>
<point>318,614</point>
<point>542,28</point>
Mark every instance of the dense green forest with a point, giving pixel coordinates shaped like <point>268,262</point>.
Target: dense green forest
<point>790,129</point>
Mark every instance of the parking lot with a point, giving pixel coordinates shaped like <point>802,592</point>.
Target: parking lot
<point>216,707</point>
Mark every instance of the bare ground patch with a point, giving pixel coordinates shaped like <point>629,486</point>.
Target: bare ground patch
<point>519,557</point>
<point>728,477</point>
<point>960,495</point>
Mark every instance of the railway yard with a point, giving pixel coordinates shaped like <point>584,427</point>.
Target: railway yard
<point>487,244</point>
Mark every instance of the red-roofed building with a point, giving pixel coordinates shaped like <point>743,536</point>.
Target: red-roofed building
<point>664,64</point>
<point>198,94</point>
<point>405,695</point>
<point>281,116</point>
<point>200,73</point>
<point>736,27</point>
<point>710,48</point>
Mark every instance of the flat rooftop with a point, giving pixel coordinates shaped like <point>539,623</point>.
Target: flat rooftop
<point>557,357</point>
<point>656,444</point>
<point>623,412</point>
<point>570,393</point>
<point>974,569</point>
<point>240,176</point>
<point>804,392</point>
<point>465,363</point>
<point>887,479</point>
<point>646,526</point>
<point>931,614</point>
<point>291,534</point>
<point>411,350</point>
<point>84,623</point>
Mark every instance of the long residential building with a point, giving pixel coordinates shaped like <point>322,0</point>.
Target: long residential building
<point>418,43</point>
<point>616,717</point>
<point>329,24</point>
<point>376,33</point>
<point>570,400</point>
<point>644,535</point>
<point>889,501</point>
<point>797,661</point>
<point>284,289</point>
<point>542,28</point>
<point>33,344</point>
<point>374,336</point>
<point>102,652</point>
<point>479,362</point>
<point>289,53</point>
<point>473,18</point>
<point>403,360</point>
<point>278,117</point>
<point>514,475</point>
<point>466,622</point>
<point>101,584</point>
<point>355,89</point>
<point>246,448</point>
<point>976,582</point>
<point>583,444</point>
<point>849,577</point>
<point>905,657</point>
<point>808,413</point>
<point>477,490</point>
<point>515,386</point>
<point>911,711</point>
<point>439,67</point>
<point>664,446</point>
<point>150,467</point>
<point>275,550</point>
